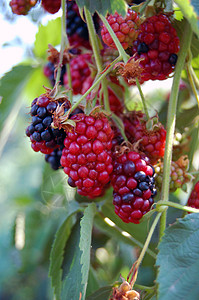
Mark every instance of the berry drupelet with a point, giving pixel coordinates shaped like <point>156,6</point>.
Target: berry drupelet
<point>133,186</point>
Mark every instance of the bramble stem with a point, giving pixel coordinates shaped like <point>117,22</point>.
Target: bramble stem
<point>64,44</point>
<point>135,267</point>
<point>191,81</point>
<point>143,99</point>
<point>176,205</point>
<point>103,74</point>
<point>121,50</point>
<point>96,51</point>
<point>171,119</point>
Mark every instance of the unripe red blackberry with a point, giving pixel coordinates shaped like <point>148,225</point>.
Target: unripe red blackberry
<point>157,46</point>
<point>80,71</point>
<point>51,6</point>
<point>87,158</point>
<point>178,174</point>
<point>22,7</point>
<point>149,141</point>
<point>133,186</point>
<point>193,200</point>
<point>44,138</point>
<point>126,29</point>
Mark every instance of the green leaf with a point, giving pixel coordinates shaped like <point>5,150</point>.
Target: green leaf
<point>47,34</point>
<point>190,14</point>
<point>72,287</point>
<point>57,254</point>
<point>85,243</point>
<point>102,293</point>
<point>178,260</point>
<point>104,6</point>
<point>11,87</point>
<point>93,283</point>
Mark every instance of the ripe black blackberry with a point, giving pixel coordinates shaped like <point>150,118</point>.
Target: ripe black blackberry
<point>76,28</point>
<point>44,138</point>
<point>54,158</point>
<point>49,70</point>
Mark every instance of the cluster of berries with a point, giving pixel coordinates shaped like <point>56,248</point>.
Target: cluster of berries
<point>92,151</point>
<point>90,157</point>
<point>153,43</point>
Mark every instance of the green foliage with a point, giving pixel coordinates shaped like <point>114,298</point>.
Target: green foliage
<point>190,13</point>
<point>85,243</point>
<point>102,293</point>
<point>57,253</point>
<point>47,34</point>
<point>104,6</point>
<point>11,87</point>
<point>178,260</point>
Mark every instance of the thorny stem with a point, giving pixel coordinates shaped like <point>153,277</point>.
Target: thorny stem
<point>143,99</point>
<point>176,205</point>
<point>135,267</point>
<point>96,51</point>
<point>121,50</point>
<point>103,74</point>
<point>64,44</point>
<point>171,119</point>
<point>189,75</point>
<point>128,237</point>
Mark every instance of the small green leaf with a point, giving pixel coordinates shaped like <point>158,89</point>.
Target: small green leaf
<point>47,34</point>
<point>178,260</point>
<point>104,6</point>
<point>102,293</point>
<point>85,243</point>
<point>190,13</point>
<point>57,254</point>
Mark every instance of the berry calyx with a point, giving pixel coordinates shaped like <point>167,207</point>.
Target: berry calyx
<point>126,29</point>
<point>87,158</point>
<point>133,186</point>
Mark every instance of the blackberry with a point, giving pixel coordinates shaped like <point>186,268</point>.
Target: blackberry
<point>76,28</point>
<point>126,29</point>
<point>21,7</point>
<point>51,6</point>
<point>49,70</point>
<point>54,158</point>
<point>44,138</point>
<point>156,47</point>
<point>193,200</point>
<point>133,186</point>
<point>86,157</point>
